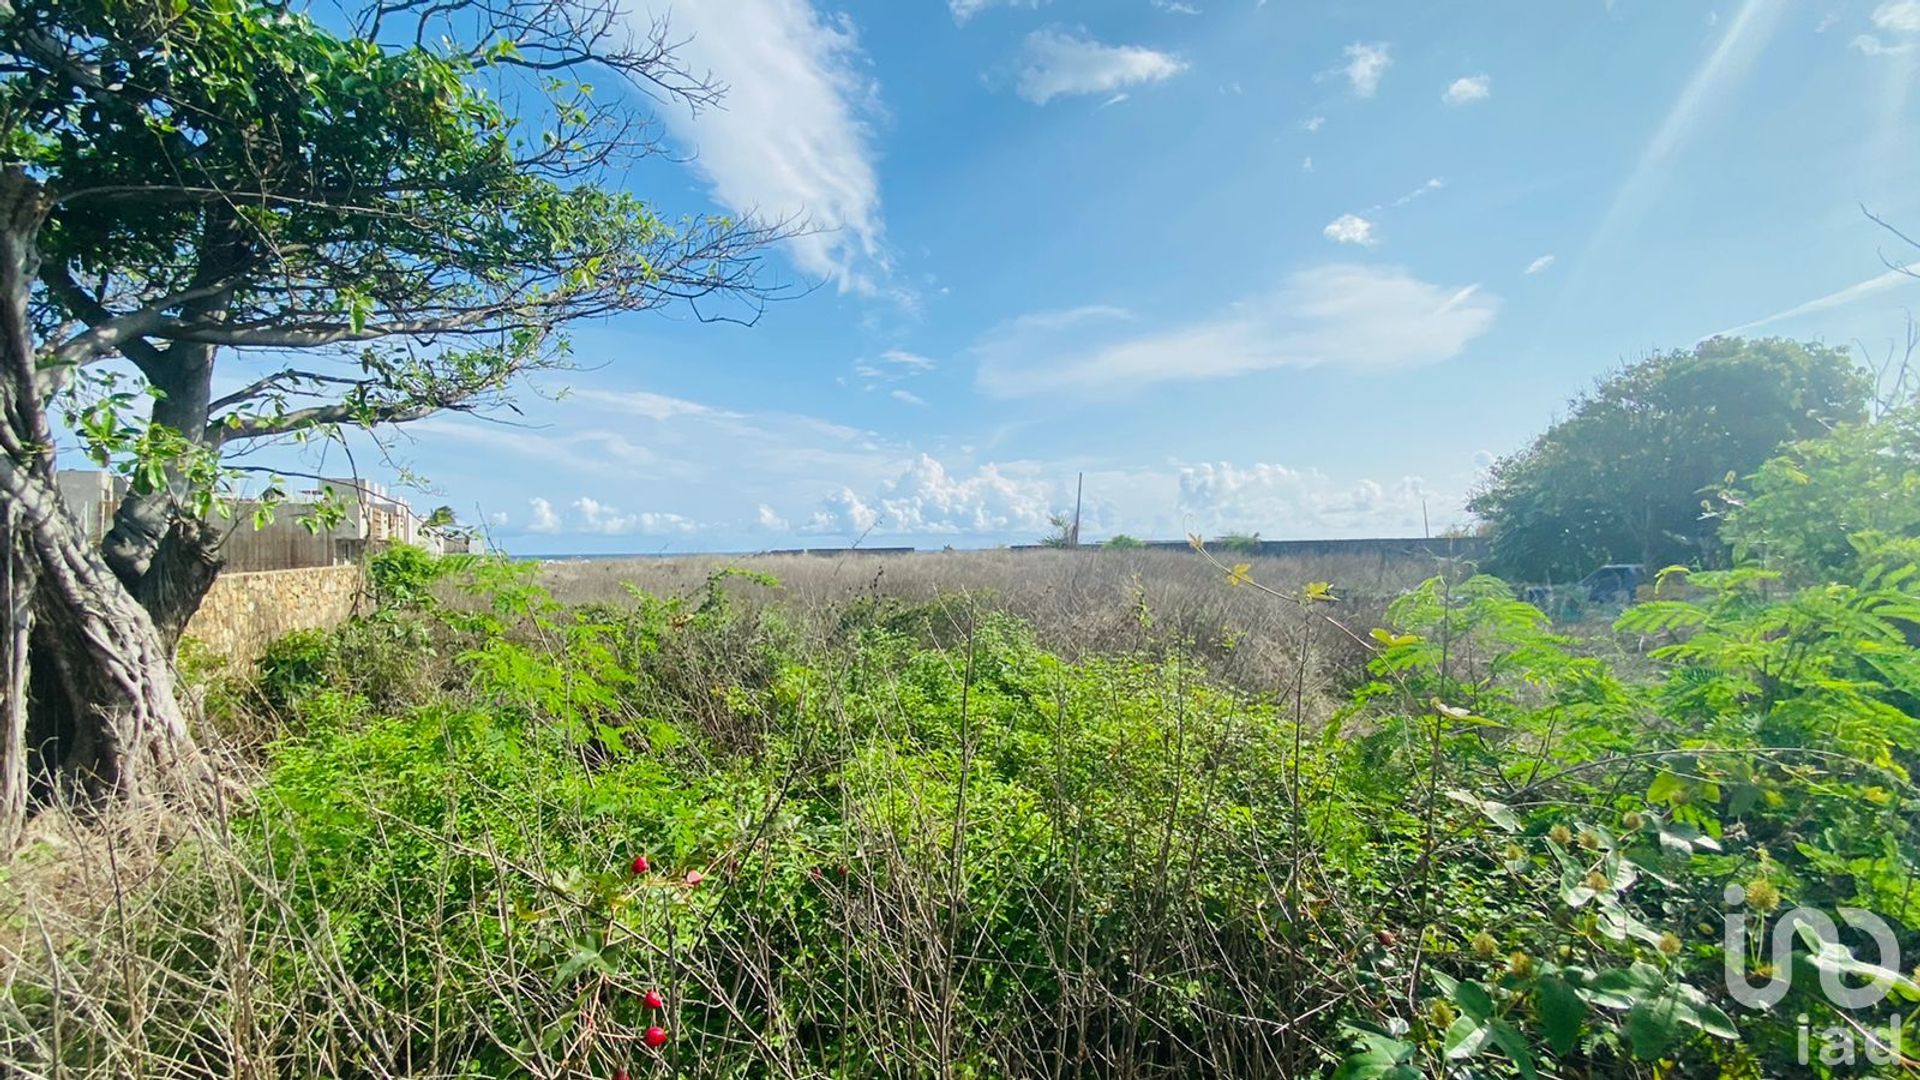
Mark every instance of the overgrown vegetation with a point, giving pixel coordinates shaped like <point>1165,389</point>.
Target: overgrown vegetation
<point>911,840</point>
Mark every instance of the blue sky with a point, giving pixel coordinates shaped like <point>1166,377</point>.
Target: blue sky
<point>1290,267</point>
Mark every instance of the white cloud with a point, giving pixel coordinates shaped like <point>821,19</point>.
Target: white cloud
<point>1350,229</point>
<point>1898,16</point>
<point>892,366</point>
<point>767,518</point>
<point>1175,7</point>
<point>907,396</point>
<point>1341,314</point>
<point>789,140</point>
<point>1840,298</point>
<point>1057,63</point>
<point>926,498</point>
<point>1432,185</point>
<point>1366,63</point>
<point>576,449</point>
<point>1539,264</point>
<point>650,405</point>
<point>1465,91</point>
<point>1279,501</point>
<point>967,9</point>
<point>906,359</point>
<point>597,517</point>
<point>1868,45</point>
<point>544,520</point>
<point>1313,124</point>
<point>1306,163</point>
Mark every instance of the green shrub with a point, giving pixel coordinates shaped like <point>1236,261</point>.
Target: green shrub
<point>402,575</point>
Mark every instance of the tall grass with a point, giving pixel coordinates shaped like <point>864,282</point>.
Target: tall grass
<point>1080,603</point>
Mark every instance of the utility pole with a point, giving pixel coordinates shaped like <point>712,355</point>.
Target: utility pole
<point>1079,485</point>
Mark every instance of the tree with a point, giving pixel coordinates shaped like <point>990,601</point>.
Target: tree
<point>1062,535</point>
<point>1810,510</point>
<point>189,184</point>
<point>1244,543</point>
<point>1622,478</point>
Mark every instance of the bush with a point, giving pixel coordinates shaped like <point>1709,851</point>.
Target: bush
<point>402,575</point>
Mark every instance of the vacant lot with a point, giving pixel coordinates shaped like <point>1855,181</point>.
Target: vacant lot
<point>1080,603</point>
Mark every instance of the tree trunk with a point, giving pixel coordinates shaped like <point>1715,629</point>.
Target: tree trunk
<point>178,577</point>
<point>16,582</point>
<point>100,715</point>
<point>106,722</point>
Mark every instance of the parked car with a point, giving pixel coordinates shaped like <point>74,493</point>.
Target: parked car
<point>1615,583</point>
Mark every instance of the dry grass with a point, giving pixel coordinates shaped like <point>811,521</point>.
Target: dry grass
<point>1080,603</point>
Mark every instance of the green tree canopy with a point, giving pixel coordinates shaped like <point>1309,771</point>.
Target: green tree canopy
<point>1622,477</point>
<point>379,212</point>
<point>1809,510</point>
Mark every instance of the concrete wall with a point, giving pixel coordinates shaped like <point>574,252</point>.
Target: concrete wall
<point>245,611</point>
<point>1472,548</point>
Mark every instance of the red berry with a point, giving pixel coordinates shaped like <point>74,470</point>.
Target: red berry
<point>655,1037</point>
<point>640,864</point>
<point>653,1000</point>
<point>695,877</point>
<point>621,1074</point>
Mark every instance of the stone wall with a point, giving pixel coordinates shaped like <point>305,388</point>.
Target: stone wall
<point>245,611</point>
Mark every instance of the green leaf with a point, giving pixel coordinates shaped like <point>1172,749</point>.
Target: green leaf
<point>1464,1039</point>
<point>1383,1059</point>
<point>1514,1045</point>
<point>1561,1012</point>
<point>1651,1029</point>
<point>1499,813</point>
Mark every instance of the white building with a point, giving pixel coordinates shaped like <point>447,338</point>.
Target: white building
<point>370,518</point>
<point>93,497</point>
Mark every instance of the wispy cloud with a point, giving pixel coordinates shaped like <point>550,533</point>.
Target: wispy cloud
<point>1539,264</point>
<point>1313,124</point>
<point>1350,229</point>
<point>904,359</point>
<point>790,140</point>
<point>907,396</point>
<point>1175,7</point>
<point>1366,63</point>
<point>966,9</point>
<point>1837,299</point>
<point>1469,89</point>
<point>650,405</point>
<point>1868,45</point>
<point>1061,63</point>
<point>1343,314</point>
<point>1898,16</point>
<point>892,366</point>
<point>1432,185</point>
